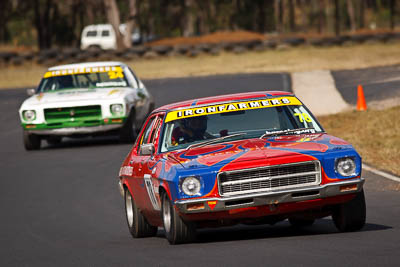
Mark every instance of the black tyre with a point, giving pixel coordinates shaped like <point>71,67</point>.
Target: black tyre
<point>54,140</point>
<point>177,231</point>
<point>351,216</point>
<point>128,131</point>
<point>137,224</point>
<point>31,141</point>
<point>300,222</point>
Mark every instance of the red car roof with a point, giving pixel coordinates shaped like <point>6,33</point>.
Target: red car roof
<point>222,98</point>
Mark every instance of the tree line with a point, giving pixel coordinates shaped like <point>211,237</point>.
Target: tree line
<point>49,23</point>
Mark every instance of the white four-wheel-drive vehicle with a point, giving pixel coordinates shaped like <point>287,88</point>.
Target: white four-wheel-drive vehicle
<point>85,99</point>
<point>103,36</point>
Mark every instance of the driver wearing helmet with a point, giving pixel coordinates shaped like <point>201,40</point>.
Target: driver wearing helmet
<point>190,130</point>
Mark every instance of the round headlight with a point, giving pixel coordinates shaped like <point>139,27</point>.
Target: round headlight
<point>191,186</point>
<point>346,166</point>
<point>116,109</point>
<point>29,115</point>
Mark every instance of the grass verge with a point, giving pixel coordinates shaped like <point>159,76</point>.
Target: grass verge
<point>374,133</point>
<point>303,58</point>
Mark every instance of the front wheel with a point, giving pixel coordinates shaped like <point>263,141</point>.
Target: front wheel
<point>177,231</point>
<point>137,224</point>
<point>350,216</point>
<point>31,141</point>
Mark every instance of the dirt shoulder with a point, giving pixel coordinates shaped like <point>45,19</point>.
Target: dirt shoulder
<point>284,59</point>
<point>374,133</point>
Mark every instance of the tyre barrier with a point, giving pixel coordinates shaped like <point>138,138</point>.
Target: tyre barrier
<point>182,49</point>
<point>360,38</point>
<point>106,55</point>
<point>251,44</point>
<point>150,54</point>
<point>215,51</point>
<point>293,41</point>
<point>162,49</point>
<point>239,49</point>
<point>17,60</point>
<point>48,53</point>
<point>74,55</point>
<point>71,52</point>
<point>227,46</point>
<point>270,43</point>
<point>394,36</point>
<point>6,56</point>
<point>28,56</point>
<point>327,41</point>
<point>206,48</point>
<point>194,52</point>
<point>382,37</point>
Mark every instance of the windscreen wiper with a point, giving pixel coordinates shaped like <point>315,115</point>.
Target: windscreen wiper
<point>215,140</point>
<point>288,132</point>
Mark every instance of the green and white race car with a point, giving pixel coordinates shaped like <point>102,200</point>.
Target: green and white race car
<point>85,99</point>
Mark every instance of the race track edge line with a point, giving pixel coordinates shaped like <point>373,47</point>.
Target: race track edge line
<point>381,173</point>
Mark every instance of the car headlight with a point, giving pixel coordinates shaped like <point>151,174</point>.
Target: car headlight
<point>191,186</point>
<point>117,109</point>
<point>29,115</point>
<point>346,166</point>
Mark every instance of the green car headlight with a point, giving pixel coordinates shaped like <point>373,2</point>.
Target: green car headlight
<point>29,115</point>
<point>117,109</point>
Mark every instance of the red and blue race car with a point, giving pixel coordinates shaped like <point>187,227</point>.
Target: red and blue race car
<point>252,158</point>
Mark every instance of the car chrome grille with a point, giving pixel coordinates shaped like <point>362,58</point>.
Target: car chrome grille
<point>59,115</point>
<point>270,178</point>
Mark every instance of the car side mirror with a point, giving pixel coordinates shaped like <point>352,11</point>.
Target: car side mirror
<point>30,91</point>
<point>147,149</point>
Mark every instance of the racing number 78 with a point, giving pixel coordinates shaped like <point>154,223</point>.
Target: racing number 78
<point>303,117</point>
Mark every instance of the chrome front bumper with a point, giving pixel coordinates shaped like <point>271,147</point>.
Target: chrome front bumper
<point>270,198</point>
<point>76,130</point>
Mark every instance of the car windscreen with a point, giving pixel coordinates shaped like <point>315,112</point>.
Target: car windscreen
<point>54,81</point>
<point>235,125</point>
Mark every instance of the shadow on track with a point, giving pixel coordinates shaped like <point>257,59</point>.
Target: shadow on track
<point>280,230</point>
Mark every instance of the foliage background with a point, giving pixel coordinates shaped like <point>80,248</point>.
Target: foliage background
<point>51,23</point>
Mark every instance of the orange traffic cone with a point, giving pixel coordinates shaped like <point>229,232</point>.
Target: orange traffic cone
<point>361,104</point>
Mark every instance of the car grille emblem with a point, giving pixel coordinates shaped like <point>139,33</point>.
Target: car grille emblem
<point>72,113</point>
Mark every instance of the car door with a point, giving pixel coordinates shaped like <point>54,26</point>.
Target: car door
<point>136,161</point>
<point>149,169</point>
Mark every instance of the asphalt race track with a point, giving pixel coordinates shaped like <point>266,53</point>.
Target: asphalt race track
<point>60,206</point>
<point>379,83</point>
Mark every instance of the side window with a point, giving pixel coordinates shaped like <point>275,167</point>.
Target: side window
<point>132,78</point>
<point>156,129</point>
<point>144,139</point>
<point>152,131</point>
<point>91,33</point>
<point>105,33</point>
